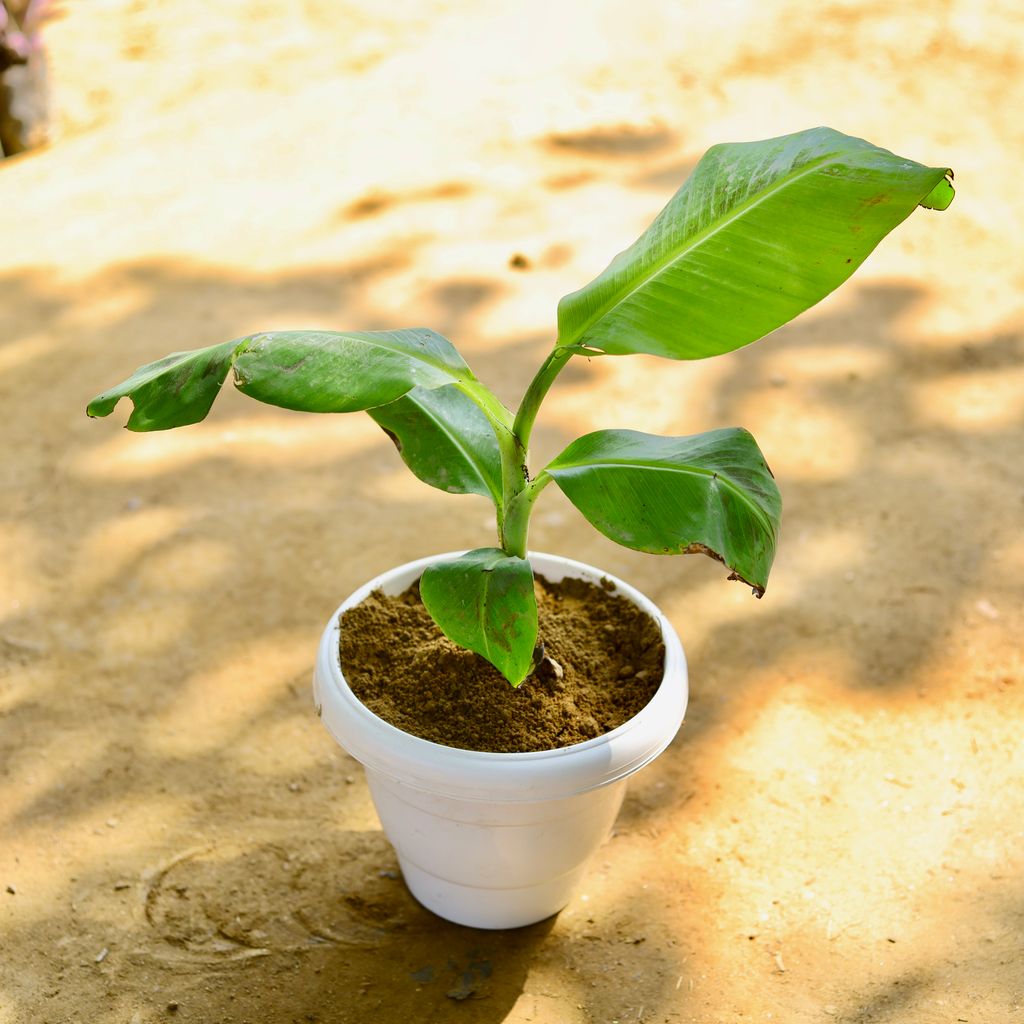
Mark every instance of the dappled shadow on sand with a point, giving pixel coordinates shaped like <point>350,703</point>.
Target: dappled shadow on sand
<point>166,593</point>
<point>280,928</point>
<point>887,441</point>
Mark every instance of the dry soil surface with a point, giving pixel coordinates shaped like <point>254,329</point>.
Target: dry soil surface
<point>837,834</point>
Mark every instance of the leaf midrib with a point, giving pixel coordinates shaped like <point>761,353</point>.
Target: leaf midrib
<point>719,225</point>
<point>484,632</point>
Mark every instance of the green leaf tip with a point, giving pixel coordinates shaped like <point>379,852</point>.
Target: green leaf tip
<point>484,601</point>
<point>174,391</point>
<point>942,195</point>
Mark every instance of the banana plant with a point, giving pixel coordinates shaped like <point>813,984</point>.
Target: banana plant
<point>760,232</point>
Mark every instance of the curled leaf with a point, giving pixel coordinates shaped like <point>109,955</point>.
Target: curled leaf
<point>710,493</point>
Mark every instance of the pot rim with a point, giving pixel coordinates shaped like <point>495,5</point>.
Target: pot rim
<point>490,775</point>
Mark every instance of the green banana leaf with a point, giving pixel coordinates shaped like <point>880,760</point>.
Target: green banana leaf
<point>311,371</point>
<point>711,493</point>
<point>445,439</point>
<point>484,601</point>
<point>759,232</point>
<point>172,392</point>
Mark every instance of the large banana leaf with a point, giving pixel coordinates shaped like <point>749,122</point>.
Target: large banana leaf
<point>445,439</point>
<point>312,371</point>
<point>484,601</point>
<point>758,233</point>
<point>711,493</point>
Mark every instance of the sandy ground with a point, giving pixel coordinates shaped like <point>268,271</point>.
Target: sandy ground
<point>838,832</point>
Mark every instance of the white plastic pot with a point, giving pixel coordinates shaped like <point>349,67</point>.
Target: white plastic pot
<point>496,840</point>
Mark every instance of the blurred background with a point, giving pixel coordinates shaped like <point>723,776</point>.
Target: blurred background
<point>836,833</point>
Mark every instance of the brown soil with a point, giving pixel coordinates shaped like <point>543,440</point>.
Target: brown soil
<point>608,652</point>
<point>836,833</point>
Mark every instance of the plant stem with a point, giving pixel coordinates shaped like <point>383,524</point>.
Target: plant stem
<point>519,492</point>
<point>517,516</point>
<point>512,461</point>
<point>500,418</point>
<point>535,393</point>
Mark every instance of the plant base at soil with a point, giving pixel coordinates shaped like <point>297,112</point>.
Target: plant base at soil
<point>403,669</point>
